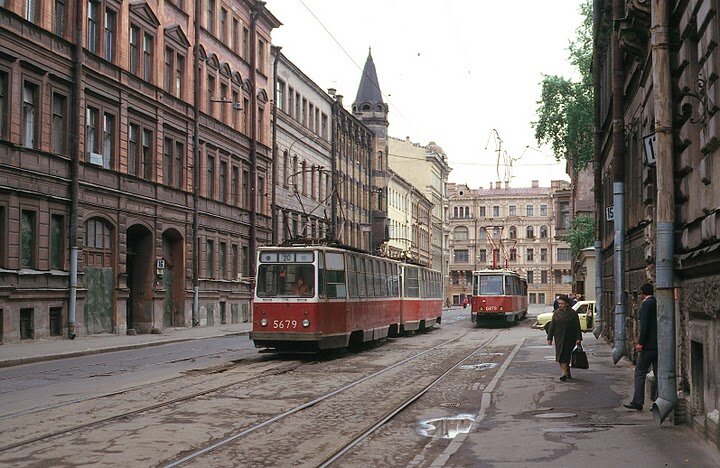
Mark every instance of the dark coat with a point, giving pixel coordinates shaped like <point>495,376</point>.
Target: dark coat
<point>648,324</point>
<point>564,330</point>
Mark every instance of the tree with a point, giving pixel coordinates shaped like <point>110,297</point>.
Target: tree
<point>581,234</point>
<point>565,112</point>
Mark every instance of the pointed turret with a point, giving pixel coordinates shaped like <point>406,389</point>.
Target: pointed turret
<point>369,94</point>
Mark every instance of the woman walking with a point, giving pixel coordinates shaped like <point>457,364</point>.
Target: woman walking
<point>565,330</point>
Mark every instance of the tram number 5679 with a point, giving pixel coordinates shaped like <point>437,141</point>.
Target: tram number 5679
<point>284,324</point>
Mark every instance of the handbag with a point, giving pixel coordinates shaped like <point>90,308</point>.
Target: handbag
<point>578,358</point>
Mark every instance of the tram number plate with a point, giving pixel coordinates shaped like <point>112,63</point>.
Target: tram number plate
<point>281,324</point>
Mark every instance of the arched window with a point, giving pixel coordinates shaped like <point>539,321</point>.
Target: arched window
<point>460,233</point>
<point>455,212</point>
<point>543,232</point>
<point>513,232</point>
<point>530,233</point>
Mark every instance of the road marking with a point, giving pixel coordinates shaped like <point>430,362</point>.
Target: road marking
<point>456,443</point>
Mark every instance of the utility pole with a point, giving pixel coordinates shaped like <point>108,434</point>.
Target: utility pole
<point>196,167</point>
<point>273,201</point>
<point>255,12</point>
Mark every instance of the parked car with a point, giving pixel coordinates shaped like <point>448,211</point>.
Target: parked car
<point>585,310</point>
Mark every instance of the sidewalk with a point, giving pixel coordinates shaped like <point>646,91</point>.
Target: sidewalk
<point>58,348</point>
<point>535,419</point>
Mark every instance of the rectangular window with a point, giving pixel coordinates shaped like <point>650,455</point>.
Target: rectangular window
<point>482,212</point>
<point>59,130</point>
<point>513,255</point>
<point>234,249</point>
<point>245,43</point>
<point>280,95</point>
<point>563,255</point>
<point>496,211</point>
<point>224,109</point>
<point>3,102</point>
<point>27,324</point>
<point>57,242</point>
<point>235,46</point>
<point>147,57</point>
<point>511,210</point>
<point>30,115</point>
<point>108,139</point>
<point>109,36</point>
<point>544,277</point>
<point>261,58</point>
<point>210,94</point>
<point>543,210</point>
<point>179,75</point>
<point>210,258</point>
<point>291,102</point>
<point>223,25</point>
<point>32,10</point>
<point>28,239</point>
<point>245,261</point>
<point>482,256</point>
<point>235,189</point>
<point>529,209</point>
<point>460,256</point>
<point>55,321</point>
<point>59,23</point>
<point>169,71</point>
<point>530,255</point>
<point>222,258</point>
<point>564,215</point>
<point>223,181</point>
<point>530,277</point>
<point>261,195</point>
<point>235,110</point>
<point>3,237</point>
<point>210,183</point>
<point>246,115</point>
<point>92,141</point>
<point>134,49</point>
<point>543,255</point>
<point>210,17</point>
<point>246,189</point>
<point>324,126</point>
<point>147,154</point>
<point>133,148</point>
<point>173,153</point>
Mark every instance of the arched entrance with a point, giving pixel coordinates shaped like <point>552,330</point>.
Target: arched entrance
<point>139,262</point>
<point>173,279</point>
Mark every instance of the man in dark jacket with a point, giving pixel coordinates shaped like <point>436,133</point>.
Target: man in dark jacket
<point>646,345</point>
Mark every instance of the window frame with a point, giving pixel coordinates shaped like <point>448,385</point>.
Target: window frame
<point>143,163</point>
<point>36,113</point>
<point>103,110</point>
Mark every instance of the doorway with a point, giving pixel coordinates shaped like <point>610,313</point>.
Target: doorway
<point>173,279</point>
<point>139,262</point>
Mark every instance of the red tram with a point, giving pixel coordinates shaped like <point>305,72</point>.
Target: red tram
<point>310,298</point>
<point>499,295</point>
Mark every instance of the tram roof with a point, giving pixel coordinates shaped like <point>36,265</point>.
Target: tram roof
<point>496,271</point>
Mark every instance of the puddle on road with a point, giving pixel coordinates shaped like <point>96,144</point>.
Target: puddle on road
<point>569,429</point>
<point>446,428</point>
<point>483,366</point>
<point>555,415</point>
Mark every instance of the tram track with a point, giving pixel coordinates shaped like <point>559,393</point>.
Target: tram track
<point>369,430</point>
<point>244,396</point>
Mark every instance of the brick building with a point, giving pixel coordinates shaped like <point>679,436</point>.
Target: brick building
<point>138,130</point>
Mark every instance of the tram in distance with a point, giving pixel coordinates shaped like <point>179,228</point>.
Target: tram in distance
<point>498,295</point>
<point>311,298</point>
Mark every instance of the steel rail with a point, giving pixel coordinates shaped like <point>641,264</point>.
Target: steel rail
<point>392,413</point>
<point>309,404</point>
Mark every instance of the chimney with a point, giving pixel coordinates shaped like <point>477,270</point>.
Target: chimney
<point>407,138</point>
<point>338,99</point>
<point>507,184</point>
<point>497,184</point>
<point>535,184</point>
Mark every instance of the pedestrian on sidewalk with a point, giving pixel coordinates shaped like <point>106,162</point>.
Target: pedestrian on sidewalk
<point>565,330</point>
<point>646,345</point>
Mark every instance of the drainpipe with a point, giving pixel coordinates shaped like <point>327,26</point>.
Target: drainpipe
<point>75,170</point>
<point>196,168</point>
<point>256,9</point>
<point>618,136</point>
<point>597,149</point>
<point>273,201</point>
<point>665,218</point>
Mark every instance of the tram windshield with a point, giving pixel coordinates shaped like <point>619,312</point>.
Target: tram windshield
<point>291,280</point>
<point>488,285</point>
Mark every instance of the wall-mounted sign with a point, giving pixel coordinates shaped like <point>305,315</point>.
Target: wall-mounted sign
<point>649,144</point>
<point>610,213</point>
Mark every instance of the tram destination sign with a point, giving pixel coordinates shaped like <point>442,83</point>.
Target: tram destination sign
<point>287,257</point>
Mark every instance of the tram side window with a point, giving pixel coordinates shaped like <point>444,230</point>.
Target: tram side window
<point>334,273</point>
<point>412,286</point>
<point>396,281</point>
<point>383,279</point>
<point>370,274</point>
<point>362,281</point>
<point>352,277</point>
<point>378,279</point>
<point>321,275</point>
<point>509,290</point>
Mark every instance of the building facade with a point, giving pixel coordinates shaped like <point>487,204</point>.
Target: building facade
<point>656,153</point>
<point>133,175</point>
<point>409,217</point>
<point>302,191</point>
<point>504,227</point>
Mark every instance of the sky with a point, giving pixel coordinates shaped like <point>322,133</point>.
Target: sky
<point>465,74</point>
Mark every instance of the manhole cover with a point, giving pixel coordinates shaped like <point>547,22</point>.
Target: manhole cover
<point>555,415</point>
<point>483,366</point>
<point>446,428</point>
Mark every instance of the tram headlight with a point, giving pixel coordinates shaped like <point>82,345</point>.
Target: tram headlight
<point>501,308</point>
<point>264,322</point>
<point>306,323</point>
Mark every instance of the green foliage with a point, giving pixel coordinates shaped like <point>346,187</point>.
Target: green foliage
<point>581,235</point>
<point>565,112</point>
